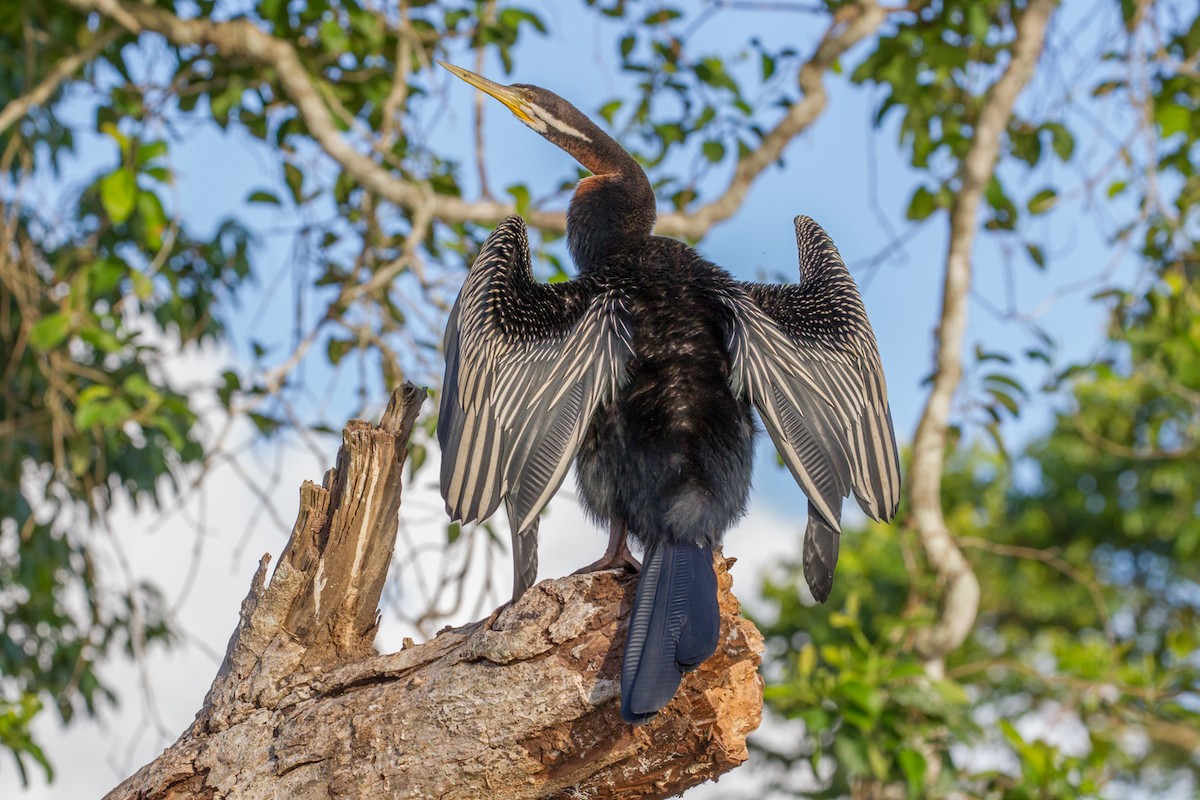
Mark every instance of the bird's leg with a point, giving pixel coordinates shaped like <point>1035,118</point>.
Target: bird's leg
<point>617,555</point>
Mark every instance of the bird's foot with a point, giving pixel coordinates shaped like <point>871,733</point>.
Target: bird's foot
<point>621,560</point>
<point>495,615</point>
<point>616,555</point>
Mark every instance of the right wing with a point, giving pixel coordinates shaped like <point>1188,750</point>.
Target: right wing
<point>806,357</point>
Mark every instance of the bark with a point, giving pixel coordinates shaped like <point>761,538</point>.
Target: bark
<point>961,601</point>
<point>523,704</point>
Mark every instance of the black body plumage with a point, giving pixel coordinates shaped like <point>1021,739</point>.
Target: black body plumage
<point>643,371</point>
<point>671,457</point>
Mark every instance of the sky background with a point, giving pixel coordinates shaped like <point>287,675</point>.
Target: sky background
<point>843,172</point>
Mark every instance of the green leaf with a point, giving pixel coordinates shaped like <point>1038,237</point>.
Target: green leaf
<point>851,754</point>
<point>263,196</point>
<point>1043,201</point>
<point>143,286</point>
<point>868,699</point>
<point>107,413</point>
<point>626,45</point>
<point>148,151</point>
<point>49,331</point>
<point>1062,140</point>
<point>453,531</point>
<point>104,341</point>
<point>609,110</point>
<point>106,274</point>
<point>978,23</point>
<point>230,383</point>
<point>922,204</point>
<point>1036,255</point>
<point>110,128</point>
<point>266,425</point>
<point>913,765</point>
<point>295,181</point>
<point>712,71</point>
<point>1172,119</point>
<point>806,661</point>
<point>768,66</point>
<point>1010,733</point>
<point>222,103</point>
<point>336,350</point>
<point>714,151</point>
<point>661,16</point>
<point>153,218</point>
<point>118,194</point>
<point>333,37</point>
<point>520,195</point>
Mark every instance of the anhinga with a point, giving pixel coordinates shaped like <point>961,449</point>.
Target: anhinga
<point>643,369</point>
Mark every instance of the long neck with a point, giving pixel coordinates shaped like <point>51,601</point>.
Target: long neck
<point>613,208</point>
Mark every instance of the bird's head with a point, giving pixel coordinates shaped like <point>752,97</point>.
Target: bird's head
<point>542,110</point>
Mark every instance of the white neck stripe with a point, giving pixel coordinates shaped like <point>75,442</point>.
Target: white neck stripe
<point>546,117</point>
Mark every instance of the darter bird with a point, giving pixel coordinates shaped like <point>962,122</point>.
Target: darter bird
<point>644,369</point>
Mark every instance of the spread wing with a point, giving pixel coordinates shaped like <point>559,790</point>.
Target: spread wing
<point>526,366</point>
<point>806,357</point>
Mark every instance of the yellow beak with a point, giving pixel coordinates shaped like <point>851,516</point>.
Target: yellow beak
<point>511,98</point>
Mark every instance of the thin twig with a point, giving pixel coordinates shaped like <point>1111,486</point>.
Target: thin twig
<point>1055,561</point>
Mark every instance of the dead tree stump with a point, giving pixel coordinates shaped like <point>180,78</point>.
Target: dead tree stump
<point>525,704</point>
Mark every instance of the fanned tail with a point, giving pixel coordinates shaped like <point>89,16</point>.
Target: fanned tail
<point>673,628</point>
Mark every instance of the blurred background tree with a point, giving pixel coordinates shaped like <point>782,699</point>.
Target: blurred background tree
<point>1027,629</point>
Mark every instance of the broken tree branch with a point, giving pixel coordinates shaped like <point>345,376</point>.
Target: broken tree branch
<point>524,704</point>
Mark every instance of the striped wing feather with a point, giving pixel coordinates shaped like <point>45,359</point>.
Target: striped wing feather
<point>526,366</point>
<point>806,357</point>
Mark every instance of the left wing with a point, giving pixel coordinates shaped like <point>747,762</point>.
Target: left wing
<point>526,366</point>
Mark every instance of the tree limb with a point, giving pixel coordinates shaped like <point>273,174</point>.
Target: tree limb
<point>241,38</point>
<point>961,601</point>
<point>64,69</point>
<point>521,705</point>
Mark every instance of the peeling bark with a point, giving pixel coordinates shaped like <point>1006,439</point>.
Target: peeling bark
<point>524,704</point>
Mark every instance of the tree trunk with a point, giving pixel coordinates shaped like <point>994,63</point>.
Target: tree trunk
<point>523,704</point>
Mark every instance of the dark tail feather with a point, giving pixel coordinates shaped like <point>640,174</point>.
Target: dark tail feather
<point>673,628</point>
<point>820,554</point>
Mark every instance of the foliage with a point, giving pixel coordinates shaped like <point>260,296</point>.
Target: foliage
<point>95,296</point>
<point>1080,624</point>
<point>1084,544</point>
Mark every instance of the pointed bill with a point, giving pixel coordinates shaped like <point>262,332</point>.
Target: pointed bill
<point>512,98</point>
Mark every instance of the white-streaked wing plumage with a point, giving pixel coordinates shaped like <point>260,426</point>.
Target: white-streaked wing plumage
<point>806,356</point>
<point>526,366</point>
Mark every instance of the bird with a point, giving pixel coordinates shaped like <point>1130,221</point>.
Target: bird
<point>646,370</point>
